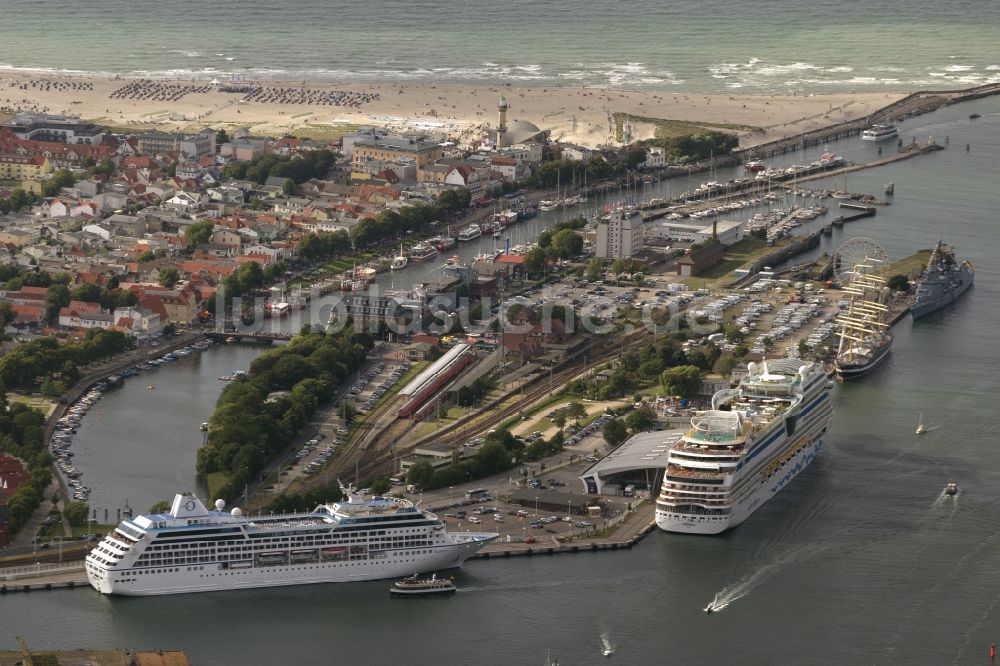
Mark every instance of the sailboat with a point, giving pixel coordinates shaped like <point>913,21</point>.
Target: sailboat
<point>399,261</point>
<point>920,424</point>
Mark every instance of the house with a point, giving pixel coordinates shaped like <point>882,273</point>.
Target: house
<point>77,314</point>
<point>699,259</point>
<point>464,176</point>
<point>138,322</point>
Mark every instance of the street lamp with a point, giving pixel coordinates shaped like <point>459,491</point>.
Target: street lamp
<point>450,488</point>
<point>536,506</point>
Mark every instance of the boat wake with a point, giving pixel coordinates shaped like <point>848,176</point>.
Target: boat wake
<point>607,649</point>
<point>735,591</point>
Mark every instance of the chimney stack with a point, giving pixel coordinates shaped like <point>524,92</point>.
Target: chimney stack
<point>715,224</point>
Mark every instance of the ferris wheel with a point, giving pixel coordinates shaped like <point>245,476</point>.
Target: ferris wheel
<point>856,251</point>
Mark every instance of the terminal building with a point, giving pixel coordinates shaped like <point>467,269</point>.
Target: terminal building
<point>727,232</point>
<point>638,464</point>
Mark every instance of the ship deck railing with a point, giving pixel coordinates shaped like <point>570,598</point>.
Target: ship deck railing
<point>695,473</point>
<point>691,447</point>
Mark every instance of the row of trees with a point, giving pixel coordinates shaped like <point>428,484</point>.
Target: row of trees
<point>413,218</point>
<point>22,432</point>
<point>45,357</point>
<point>314,164</point>
<point>495,455</point>
<point>251,426</point>
<point>552,246</point>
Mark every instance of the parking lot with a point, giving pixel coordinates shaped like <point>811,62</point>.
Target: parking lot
<point>545,513</point>
<point>374,383</point>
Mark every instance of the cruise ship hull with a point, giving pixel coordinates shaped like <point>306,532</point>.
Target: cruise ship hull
<point>923,309</point>
<point>695,524</point>
<point>855,370</point>
<point>212,578</point>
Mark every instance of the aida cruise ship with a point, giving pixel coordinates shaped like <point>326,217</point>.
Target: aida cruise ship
<point>746,448</point>
<point>192,549</point>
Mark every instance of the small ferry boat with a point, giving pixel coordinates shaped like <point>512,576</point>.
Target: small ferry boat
<point>880,132</point>
<point>413,586</point>
<point>471,232</point>
<point>423,252</point>
<point>443,243</point>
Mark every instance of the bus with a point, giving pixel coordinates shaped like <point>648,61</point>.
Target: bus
<point>478,493</point>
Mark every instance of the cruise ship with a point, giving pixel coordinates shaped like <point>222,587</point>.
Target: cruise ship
<point>747,447</point>
<point>880,132</point>
<point>864,334</point>
<point>943,282</point>
<point>193,549</point>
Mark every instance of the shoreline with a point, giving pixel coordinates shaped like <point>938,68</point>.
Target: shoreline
<point>574,114</point>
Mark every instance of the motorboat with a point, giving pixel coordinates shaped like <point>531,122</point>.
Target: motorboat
<point>951,488</point>
<point>413,586</point>
<point>880,132</point>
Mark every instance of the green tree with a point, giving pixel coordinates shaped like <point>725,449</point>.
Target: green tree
<point>56,296</point>
<point>641,420</point>
<point>76,513</point>
<point>7,314</point>
<point>576,410</point>
<point>163,506</point>
<point>594,269</point>
<point>420,474</point>
<point>146,256</point>
<point>198,233</point>
<point>534,261</point>
<point>898,283</point>
<point>683,380</point>
<point>221,137</point>
<point>567,243</point>
<point>614,432</point>
<point>168,276</point>
<point>288,188</point>
<point>559,420</point>
<point>88,293</point>
<point>380,485</point>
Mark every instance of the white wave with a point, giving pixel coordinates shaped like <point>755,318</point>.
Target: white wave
<point>959,68</point>
<point>888,68</point>
<point>230,58</point>
<point>840,70</point>
<point>189,54</point>
<point>992,68</point>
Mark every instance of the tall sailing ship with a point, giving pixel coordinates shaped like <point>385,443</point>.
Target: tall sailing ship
<point>943,281</point>
<point>865,339</point>
<point>192,549</point>
<point>746,448</point>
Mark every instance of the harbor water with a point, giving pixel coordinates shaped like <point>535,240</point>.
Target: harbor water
<point>860,560</point>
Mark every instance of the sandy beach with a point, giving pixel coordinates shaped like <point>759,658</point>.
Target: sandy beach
<point>573,114</point>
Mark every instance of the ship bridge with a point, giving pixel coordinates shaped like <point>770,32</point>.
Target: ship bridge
<point>641,461</point>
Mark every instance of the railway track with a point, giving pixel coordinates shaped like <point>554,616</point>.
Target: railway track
<point>374,460</point>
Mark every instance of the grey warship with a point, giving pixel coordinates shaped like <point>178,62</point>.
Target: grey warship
<point>943,282</point>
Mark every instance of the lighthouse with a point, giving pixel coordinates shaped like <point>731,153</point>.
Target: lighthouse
<point>502,124</point>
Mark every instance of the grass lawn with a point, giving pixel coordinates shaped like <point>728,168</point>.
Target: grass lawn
<point>737,255</point>
<point>914,263</point>
<point>42,404</point>
<point>666,128</point>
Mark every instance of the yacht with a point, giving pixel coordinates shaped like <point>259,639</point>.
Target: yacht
<point>880,132</point>
<point>193,549</point>
<point>414,586</point>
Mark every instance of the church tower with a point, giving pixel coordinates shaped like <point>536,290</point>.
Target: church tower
<point>502,125</point>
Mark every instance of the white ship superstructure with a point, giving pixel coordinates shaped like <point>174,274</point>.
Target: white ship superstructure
<point>192,549</point>
<point>748,446</point>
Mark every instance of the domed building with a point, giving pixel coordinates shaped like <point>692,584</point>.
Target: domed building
<point>517,131</point>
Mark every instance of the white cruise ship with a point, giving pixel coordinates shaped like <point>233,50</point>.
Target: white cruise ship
<point>192,549</point>
<point>739,454</point>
